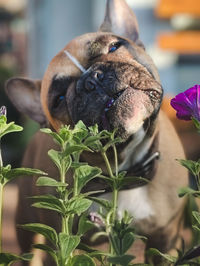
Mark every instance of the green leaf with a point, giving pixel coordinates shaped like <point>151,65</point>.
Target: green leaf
<point>186,191</point>
<point>47,249</point>
<point>109,181</point>
<point>7,128</point>
<point>195,227</point>
<point>8,258</point>
<point>80,126</point>
<point>10,174</point>
<point>42,229</point>
<point>49,202</point>
<point>93,192</point>
<point>54,135</point>
<point>196,216</point>
<point>78,164</point>
<point>3,172</point>
<point>84,174</point>
<point>93,253</point>
<point>94,140</point>
<point>94,130</point>
<point>123,260</point>
<point>112,142</point>
<point>82,260</point>
<point>156,252</point>
<point>56,157</point>
<point>62,161</point>
<point>106,134</point>
<point>76,148</point>
<point>50,182</point>
<point>196,123</point>
<point>77,205</point>
<point>133,180</point>
<point>126,218</point>
<point>116,243</point>
<point>80,132</point>
<point>192,166</point>
<point>84,225</point>
<point>18,172</point>
<point>192,253</point>
<point>103,202</point>
<point>127,242</point>
<point>3,120</point>
<point>86,248</point>
<point>65,133</point>
<point>91,140</point>
<point>67,244</point>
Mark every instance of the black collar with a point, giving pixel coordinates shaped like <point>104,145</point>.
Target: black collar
<point>146,168</point>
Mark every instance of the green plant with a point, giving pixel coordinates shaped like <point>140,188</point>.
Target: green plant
<point>6,175</point>
<point>187,106</point>
<point>71,202</point>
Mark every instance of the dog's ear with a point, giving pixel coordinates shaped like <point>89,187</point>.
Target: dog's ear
<point>120,19</point>
<point>25,95</point>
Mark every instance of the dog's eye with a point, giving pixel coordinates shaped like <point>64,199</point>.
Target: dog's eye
<point>61,97</point>
<point>58,100</point>
<point>114,46</point>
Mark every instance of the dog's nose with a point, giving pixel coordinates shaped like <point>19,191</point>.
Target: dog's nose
<point>93,80</point>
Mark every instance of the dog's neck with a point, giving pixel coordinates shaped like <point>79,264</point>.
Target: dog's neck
<point>141,155</point>
<point>140,159</point>
<point>146,166</point>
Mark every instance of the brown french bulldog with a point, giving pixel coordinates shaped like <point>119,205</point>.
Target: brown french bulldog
<point>107,78</point>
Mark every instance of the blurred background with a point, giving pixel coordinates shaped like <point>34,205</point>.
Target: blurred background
<point>32,32</point>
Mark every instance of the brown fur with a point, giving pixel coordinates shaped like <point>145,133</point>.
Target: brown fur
<point>133,110</point>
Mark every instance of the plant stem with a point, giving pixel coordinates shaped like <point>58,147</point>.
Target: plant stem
<point>62,195</point>
<point>1,214</point>
<point>65,228</point>
<point>115,197</point>
<point>197,177</point>
<point>114,193</point>
<point>116,160</point>
<point>1,161</point>
<point>107,164</point>
<point>62,175</point>
<point>76,160</point>
<point>1,201</point>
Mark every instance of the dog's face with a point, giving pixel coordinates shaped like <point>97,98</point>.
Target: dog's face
<point>103,78</point>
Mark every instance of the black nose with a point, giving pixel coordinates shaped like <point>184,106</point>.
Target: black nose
<point>93,80</point>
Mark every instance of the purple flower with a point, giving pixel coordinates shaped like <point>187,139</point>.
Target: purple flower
<point>187,104</point>
<point>97,219</point>
<point>3,111</point>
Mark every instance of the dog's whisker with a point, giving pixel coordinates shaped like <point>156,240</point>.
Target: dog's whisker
<point>75,61</point>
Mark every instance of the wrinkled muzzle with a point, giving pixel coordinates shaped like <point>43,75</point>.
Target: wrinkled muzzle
<point>116,95</point>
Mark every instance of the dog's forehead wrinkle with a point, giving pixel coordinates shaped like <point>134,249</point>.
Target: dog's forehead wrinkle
<point>144,59</point>
<point>100,45</point>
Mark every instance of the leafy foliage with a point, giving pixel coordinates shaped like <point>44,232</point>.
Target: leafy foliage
<point>8,258</point>
<point>70,202</point>
<point>6,175</point>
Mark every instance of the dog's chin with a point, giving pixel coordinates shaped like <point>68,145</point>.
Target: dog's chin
<point>126,113</point>
<point>126,127</point>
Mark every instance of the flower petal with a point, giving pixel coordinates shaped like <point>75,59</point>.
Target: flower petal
<point>183,110</point>
<point>187,104</point>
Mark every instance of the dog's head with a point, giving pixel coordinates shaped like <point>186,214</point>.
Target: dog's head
<point>104,77</point>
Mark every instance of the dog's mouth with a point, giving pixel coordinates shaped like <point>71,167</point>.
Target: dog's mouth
<point>112,100</point>
<point>115,95</point>
<point>109,104</point>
